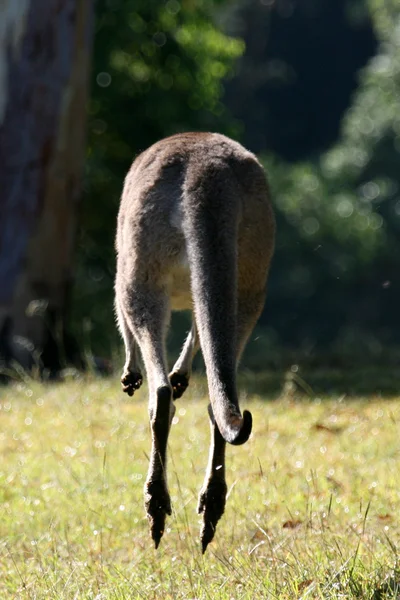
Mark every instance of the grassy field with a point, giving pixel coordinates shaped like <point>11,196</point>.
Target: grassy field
<point>313,507</point>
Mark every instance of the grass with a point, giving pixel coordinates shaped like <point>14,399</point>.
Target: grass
<point>313,507</point>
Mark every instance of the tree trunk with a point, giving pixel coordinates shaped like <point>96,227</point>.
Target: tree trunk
<point>45,48</point>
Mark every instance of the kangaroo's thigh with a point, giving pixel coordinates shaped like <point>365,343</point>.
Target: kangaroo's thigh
<point>249,307</point>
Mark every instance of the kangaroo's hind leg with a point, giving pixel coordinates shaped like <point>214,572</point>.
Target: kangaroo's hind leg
<point>213,493</point>
<point>131,378</point>
<point>212,496</point>
<point>148,316</point>
<point>182,369</point>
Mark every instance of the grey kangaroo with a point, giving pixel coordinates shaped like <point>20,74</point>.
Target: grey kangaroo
<point>195,231</point>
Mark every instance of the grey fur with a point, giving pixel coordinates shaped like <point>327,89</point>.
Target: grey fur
<point>195,231</point>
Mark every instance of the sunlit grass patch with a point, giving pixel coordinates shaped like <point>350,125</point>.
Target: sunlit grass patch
<point>313,505</point>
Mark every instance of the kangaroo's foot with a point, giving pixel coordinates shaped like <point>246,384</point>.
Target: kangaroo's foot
<point>211,505</point>
<point>158,506</point>
<point>131,381</point>
<point>179,383</point>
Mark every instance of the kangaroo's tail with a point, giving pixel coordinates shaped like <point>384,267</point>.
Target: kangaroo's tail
<point>211,212</point>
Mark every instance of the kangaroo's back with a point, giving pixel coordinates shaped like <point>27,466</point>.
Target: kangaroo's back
<point>155,192</point>
<point>195,231</point>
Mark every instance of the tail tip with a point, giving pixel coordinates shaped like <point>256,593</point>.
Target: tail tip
<point>245,430</point>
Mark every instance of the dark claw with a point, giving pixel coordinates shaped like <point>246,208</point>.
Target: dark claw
<point>157,525</point>
<point>131,382</point>
<point>158,506</point>
<point>206,535</point>
<point>211,504</point>
<point>179,384</point>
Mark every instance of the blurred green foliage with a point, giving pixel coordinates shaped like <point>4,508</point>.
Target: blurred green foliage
<point>367,157</point>
<point>337,263</point>
<point>160,68</point>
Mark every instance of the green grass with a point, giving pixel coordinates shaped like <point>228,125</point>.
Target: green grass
<point>313,507</point>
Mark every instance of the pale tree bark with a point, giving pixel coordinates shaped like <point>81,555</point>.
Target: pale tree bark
<point>45,48</point>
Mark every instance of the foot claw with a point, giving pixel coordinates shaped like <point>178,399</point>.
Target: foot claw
<point>179,384</point>
<point>158,506</point>
<point>131,382</point>
<point>211,504</point>
<point>206,535</point>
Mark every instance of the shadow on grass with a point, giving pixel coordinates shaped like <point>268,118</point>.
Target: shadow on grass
<point>321,382</point>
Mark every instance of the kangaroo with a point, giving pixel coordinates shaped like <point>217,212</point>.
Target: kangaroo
<point>195,232</point>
